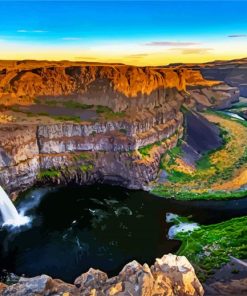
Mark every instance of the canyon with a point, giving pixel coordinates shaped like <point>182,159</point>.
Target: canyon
<point>113,124</point>
<point>140,106</point>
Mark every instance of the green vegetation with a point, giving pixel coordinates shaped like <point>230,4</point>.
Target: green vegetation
<point>184,109</point>
<point>108,114</point>
<point>145,151</point>
<point>42,113</point>
<point>82,156</point>
<point>76,105</point>
<point>51,173</point>
<point>86,167</point>
<point>103,109</point>
<point>46,102</point>
<point>67,118</point>
<point>219,174</point>
<point>239,105</point>
<point>169,192</point>
<point>170,156</point>
<point>204,162</point>
<point>56,117</point>
<point>105,112</point>
<point>208,247</point>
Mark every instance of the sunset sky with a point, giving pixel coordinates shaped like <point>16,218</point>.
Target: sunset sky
<point>141,32</point>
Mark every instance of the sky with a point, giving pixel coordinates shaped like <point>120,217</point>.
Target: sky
<point>131,32</point>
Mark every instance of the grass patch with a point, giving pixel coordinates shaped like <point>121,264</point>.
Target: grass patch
<point>42,113</point>
<point>174,153</point>
<point>76,105</point>
<point>188,194</point>
<point>108,114</point>
<point>46,102</point>
<point>219,174</point>
<point>204,162</point>
<point>209,247</point>
<point>145,151</point>
<point>82,156</point>
<point>239,105</point>
<point>76,119</point>
<point>52,173</point>
<point>86,167</point>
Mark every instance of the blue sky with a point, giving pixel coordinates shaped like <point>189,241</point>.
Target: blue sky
<point>141,31</point>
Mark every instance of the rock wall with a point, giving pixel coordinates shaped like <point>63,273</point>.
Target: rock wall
<point>119,87</point>
<point>106,150</point>
<point>233,73</point>
<point>170,275</point>
<point>82,154</point>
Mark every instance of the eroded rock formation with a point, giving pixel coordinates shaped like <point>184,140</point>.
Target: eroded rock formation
<point>119,87</point>
<point>170,275</point>
<point>233,72</point>
<point>105,150</point>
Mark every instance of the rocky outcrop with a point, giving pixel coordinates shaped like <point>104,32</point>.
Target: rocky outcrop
<point>219,96</point>
<point>171,275</point>
<point>234,73</point>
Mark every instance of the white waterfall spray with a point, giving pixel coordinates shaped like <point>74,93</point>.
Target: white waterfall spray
<point>9,212</point>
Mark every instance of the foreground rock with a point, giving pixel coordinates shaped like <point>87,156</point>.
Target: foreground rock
<point>170,275</point>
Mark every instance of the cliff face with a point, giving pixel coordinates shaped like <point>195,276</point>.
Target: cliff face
<point>234,72</point>
<point>105,150</point>
<point>119,87</point>
<point>83,154</point>
<point>170,275</point>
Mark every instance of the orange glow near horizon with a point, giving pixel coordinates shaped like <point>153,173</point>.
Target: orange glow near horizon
<point>127,54</point>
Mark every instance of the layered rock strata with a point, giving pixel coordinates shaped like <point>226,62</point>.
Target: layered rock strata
<point>233,72</point>
<point>149,100</point>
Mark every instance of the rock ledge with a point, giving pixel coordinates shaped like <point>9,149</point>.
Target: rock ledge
<point>170,275</point>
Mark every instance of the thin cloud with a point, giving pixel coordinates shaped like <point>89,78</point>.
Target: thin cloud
<point>39,31</point>
<point>22,31</point>
<point>30,31</point>
<point>192,50</point>
<point>238,36</point>
<point>170,43</point>
<point>71,38</point>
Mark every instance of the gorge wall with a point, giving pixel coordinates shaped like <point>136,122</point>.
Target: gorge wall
<point>234,72</point>
<point>148,98</point>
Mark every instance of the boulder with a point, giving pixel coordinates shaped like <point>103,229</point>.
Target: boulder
<point>171,275</point>
<point>39,286</point>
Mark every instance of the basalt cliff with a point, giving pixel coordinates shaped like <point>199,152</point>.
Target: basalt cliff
<point>233,72</point>
<point>133,107</point>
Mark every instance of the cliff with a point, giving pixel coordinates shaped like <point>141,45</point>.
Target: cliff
<point>170,275</point>
<point>143,109</point>
<point>116,86</point>
<point>233,72</point>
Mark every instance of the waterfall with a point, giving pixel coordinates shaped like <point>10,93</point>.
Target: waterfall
<point>9,212</point>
